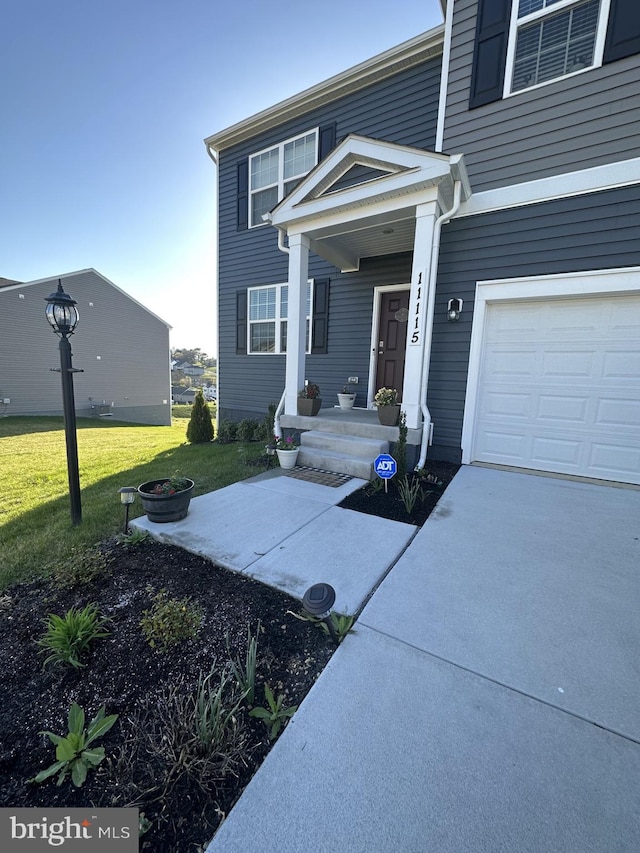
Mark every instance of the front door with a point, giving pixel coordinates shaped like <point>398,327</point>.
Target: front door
<point>392,339</point>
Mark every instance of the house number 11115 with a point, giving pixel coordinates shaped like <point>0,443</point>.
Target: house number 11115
<point>415,334</point>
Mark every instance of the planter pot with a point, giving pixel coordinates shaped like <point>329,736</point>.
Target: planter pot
<point>309,406</point>
<point>346,401</point>
<point>163,508</point>
<point>389,415</point>
<point>287,458</point>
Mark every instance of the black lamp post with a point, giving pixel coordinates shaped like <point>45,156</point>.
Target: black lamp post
<point>62,315</point>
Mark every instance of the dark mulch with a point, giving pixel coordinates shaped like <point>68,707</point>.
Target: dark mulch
<point>129,678</point>
<point>373,499</point>
<point>142,685</point>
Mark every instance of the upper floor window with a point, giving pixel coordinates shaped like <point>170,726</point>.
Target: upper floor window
<point>549,39</point>
<point>274,173</point>
<point>268,311</point>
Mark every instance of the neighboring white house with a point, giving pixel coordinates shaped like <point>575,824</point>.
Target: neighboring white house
<point>120,346</point>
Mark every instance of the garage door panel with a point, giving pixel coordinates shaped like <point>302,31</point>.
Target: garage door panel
<point>559,387</point>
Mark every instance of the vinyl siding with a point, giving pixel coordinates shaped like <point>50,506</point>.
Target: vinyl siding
<point>400,109</point>
<point>566,125</point>
<point>590,232</point>
<point>132,371</point>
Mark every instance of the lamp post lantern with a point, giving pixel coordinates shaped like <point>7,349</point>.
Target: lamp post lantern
<point>62,314</point>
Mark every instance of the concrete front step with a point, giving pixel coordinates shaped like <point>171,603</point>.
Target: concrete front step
<point>344,454</point>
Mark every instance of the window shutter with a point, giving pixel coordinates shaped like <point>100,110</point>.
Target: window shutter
<point>243,195</point>
<point>623,32</point>
<point>326,140</point>
<point>490,54</point>
<point>241,322</point>
<point>320,316</point>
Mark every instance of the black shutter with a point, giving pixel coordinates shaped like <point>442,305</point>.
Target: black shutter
<point>327,140</point>
<point>320,316</point>
<point>243,195</point>
<point>490,54</point>
<point>623,32</point>
<point>241,322</point>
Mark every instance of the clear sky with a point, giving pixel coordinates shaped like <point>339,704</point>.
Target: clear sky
<point>104,108</point>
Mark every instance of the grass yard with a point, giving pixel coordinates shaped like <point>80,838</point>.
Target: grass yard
<point>35,526</point>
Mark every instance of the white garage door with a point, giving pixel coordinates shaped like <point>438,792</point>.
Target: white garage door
<point>559,387</point>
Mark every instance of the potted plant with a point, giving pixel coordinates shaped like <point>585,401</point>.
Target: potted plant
<point>346,398</point>
<point>309,400</point>
<point>386,400</point>
<point>167,499</point>
<point>287,451</point>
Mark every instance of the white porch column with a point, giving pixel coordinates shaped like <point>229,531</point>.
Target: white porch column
<point>426,215</point>
<point>296,320</point>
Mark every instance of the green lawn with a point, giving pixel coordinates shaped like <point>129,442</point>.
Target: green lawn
<point>35,527</point>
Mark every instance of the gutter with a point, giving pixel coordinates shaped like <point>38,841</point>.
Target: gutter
<point>427,424</point>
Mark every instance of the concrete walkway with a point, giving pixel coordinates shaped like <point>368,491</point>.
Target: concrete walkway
<point>488,700</point>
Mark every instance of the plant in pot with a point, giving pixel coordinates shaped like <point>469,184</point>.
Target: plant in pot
<point>166,499</point>
<point>386,399</point>
<point>309,400</point>
<point>346,398</point>
<point>287,451</point>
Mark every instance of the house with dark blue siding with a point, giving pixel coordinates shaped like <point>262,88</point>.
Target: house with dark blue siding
<point>457,218</point>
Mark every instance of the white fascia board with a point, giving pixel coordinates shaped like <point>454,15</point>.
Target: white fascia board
<point>405,55</point>
<point>560,285</point>
<point>596,179</point>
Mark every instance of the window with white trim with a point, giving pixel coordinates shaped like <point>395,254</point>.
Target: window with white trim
<point>268,311</point>
<point>274,173</point>
<point>550,39</point>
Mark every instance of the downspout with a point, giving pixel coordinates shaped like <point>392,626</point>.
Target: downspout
<point>213,156</point>
<point>427,423</point>
<point>277,429</point>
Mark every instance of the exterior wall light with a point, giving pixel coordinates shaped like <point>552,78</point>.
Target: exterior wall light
<point>318,601</point>
<point>62,315</point>
<point>127,497</point>
<point>454,309</point>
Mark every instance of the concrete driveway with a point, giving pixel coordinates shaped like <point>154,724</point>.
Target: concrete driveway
<point>489,700</point>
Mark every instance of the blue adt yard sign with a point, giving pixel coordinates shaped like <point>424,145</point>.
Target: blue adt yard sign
<point>385,466</point>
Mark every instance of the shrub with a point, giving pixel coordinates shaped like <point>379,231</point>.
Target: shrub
<point>68,637</point>
<point>81,566</point>
<point>400,448</point>
<point>226,432</point>
<point>246,429</point>
<point>169,621</point>
<point>200,428</point>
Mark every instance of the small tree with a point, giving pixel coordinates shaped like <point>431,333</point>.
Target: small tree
<point>200,428</point>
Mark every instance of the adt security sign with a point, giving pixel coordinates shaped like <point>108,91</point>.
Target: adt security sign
<point>385,466</point>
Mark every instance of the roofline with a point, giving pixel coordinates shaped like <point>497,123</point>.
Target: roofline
<point>405,55</point>
<point>66,275</point>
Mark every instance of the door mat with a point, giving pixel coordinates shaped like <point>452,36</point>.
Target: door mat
<point>316,475</point>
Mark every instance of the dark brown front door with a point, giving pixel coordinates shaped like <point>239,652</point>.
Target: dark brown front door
<point>392,339</point>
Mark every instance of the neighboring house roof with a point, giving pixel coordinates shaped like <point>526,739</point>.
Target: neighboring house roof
<point>68,275</point>
<point>386,64</point>
<point>5,282</point>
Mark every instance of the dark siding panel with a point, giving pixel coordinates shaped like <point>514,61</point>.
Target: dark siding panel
<point>401,109</point>
<point>571,235</point>
<point>568,124</point>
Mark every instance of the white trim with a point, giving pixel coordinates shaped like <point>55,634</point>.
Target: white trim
<point>607,282</point>
<point>595,179</point>
<point>540,15</point>
<point>444,77</point>
<point>375,330</point>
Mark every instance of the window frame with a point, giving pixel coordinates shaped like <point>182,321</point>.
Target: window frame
<point>541,15</point>
<point>278,320</point>
<point>280,184</point>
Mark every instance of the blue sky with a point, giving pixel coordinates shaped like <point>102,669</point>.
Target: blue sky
<point>104,108</point>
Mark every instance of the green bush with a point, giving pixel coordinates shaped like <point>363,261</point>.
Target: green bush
<point>246,430</point>
<point>169,621</point>
<point>200,428</point>
<point>226,432</point>
<point>68,637</point>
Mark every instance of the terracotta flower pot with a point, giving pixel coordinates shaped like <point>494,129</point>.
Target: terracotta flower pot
<point>163,508</point>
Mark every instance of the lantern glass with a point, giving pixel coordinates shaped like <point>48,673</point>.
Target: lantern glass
<point>127,494</point>
<point>61,312</point>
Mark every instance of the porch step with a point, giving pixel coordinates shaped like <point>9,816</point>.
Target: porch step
<point>344,454</point>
